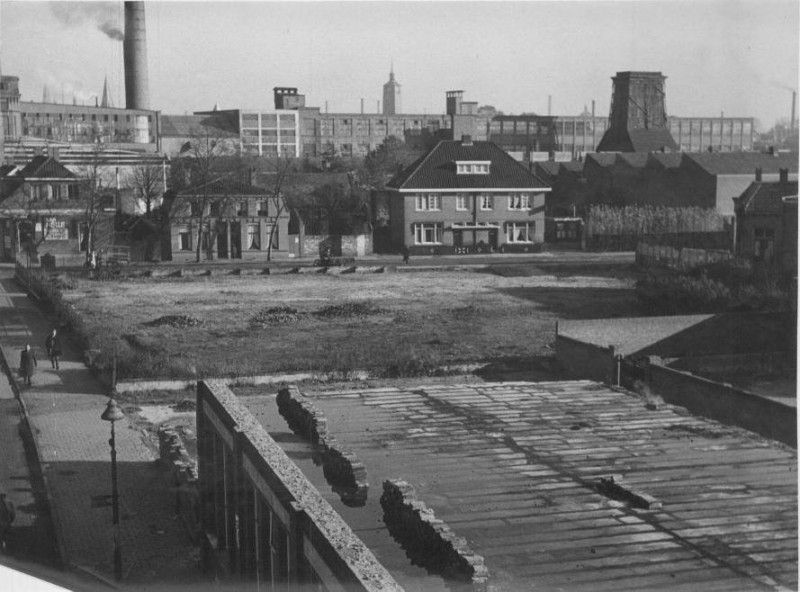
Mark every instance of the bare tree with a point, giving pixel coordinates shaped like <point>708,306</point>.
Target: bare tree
<point>280,192</point>
<point>201,175</point>
<point>31,218</point>
<point>147,183</point>
<point>97,193</point>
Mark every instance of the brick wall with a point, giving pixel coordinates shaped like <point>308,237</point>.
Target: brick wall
<point>249,487</point>
<point>344,245</point>
<point>725,404</point>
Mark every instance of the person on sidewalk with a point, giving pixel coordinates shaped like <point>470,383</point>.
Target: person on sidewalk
<point>27,364</point>
<point>53,346</point>
<point>406,254</point>
<point>7,515</point>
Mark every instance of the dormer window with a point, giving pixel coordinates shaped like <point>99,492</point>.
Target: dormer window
<point>472,167</point>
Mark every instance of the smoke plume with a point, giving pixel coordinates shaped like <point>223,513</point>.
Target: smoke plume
<point>105,16</point>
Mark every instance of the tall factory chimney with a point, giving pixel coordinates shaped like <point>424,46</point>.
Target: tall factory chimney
<point>794,102</point>
<point>134,49</point>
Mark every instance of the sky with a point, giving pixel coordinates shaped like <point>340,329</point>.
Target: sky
<point>739,57</point>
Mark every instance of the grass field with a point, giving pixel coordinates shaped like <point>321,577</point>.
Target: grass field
<point>393,324</point>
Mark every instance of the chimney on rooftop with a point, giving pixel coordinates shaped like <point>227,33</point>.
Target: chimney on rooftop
<point>783,175</point>
<point>466,140</point>
<point>758,173</point>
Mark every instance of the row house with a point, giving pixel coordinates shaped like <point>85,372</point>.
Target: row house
<point>464,197</point>
<point>231,219</point>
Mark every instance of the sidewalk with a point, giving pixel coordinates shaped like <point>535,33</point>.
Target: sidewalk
<point>73,442</point>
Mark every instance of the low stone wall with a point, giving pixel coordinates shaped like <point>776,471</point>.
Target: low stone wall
<point>340,466</point>
<point>184,471</point>
<point>725,403</point>
<point>428,540</point>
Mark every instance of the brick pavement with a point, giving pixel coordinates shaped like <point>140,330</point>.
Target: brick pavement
<point>64,408</point>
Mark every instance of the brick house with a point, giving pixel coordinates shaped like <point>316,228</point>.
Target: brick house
<point>466,197</point>
<point>43,208</point>
<point>766,222</point>
<point>237,218</point>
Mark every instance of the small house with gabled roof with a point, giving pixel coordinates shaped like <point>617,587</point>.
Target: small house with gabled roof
<point>43,210</point>
<point>467,196</point>
<point>766,222</point>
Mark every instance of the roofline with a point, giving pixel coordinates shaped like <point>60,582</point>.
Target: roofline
<point>421,162</point>
<point>475,190</point>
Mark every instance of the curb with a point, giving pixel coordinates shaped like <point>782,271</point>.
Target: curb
<point>61,551</point>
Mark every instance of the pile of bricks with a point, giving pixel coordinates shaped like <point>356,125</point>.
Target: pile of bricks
<point>341,467</point>
<point>173,454</point>
<point>428,541</point>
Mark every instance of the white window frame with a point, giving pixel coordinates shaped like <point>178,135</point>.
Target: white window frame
<point>184,230</point>
<point>428,202</point>
<point>473,167</point>
<point>519,201</point>
<point>420,230</point>
<point>513,228</point>
<point>253,231</point>
<point>487,202</point>
<point>462,202</point>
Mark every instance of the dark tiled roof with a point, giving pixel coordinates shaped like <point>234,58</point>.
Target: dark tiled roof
<point>574,166</point>
<point>633,159</point>
<point>6,169</point>
<point>437,169</point>
<point>45,167</point>
<point>602,159</point>
<point>766,197</point>
<point>664,160</point>
<point>743,163</point>
<point>547,170</point>
<point>636,140</point>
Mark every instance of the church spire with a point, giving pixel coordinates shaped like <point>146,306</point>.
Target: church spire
<point>105,102</point>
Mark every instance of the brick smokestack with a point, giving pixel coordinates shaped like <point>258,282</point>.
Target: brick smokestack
<point>134,49</point>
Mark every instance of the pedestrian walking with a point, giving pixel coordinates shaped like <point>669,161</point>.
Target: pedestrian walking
<point>27,364</point>
<point>406,254</point>
<point>53,346</point>
<point>7,515</point>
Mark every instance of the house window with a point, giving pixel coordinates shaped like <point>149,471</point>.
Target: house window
<point>429,202</point>
<point>215,208</point>
<point>197,209</point>
<point>427,234</point>
<point>184,240</point>
<point>461,202</point>
<point>487,202</point>
<point>253,237</point>
<point>470,167</point>
<point>519,201</point>
<point>262,208</point>
<point>520,232</point>
<point>764,244</point>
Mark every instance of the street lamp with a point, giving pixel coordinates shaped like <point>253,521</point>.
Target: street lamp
<point>113,413</point>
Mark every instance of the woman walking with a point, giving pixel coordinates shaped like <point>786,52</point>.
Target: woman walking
<point>27,364</point>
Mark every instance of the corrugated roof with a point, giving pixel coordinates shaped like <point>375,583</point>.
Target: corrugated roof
<point>513,469</point>
<point>743,163</point>
<point>45,167</point>
<point>766,197</point>
<point>437,169</point>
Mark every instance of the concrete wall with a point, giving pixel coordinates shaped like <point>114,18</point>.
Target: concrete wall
<point>725,404</point>
<point>262,520</point>
<point>585,361</point>
<point>342,245</point>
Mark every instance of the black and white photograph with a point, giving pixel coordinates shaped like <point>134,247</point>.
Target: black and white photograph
<point>402,295</point>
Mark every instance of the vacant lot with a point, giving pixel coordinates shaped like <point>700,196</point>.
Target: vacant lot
<point>393,324</point>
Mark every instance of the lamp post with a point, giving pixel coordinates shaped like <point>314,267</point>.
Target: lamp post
<point>113,413</point>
